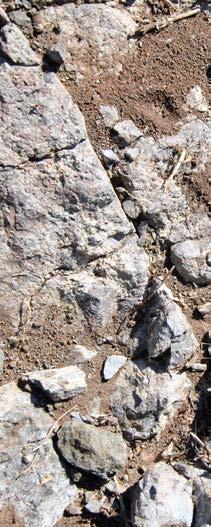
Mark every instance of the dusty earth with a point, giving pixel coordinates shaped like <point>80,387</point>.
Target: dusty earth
<point>151,88</point>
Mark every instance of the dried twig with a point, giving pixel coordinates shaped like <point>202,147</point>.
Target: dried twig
<point>176,168</point>
<point>165,21</point>
<point>51,432</point>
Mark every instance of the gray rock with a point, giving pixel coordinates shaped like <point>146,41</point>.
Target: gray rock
<point>15,46</point>
<point>110,115</point>
<point>190,260</point>
<point>165,206</point>
<point>144,399</point>
<point>4,19</point>
<point>91,449</point>
<point>125,132</point>
<point>167,329</point>
<point>196,100</point>
<point>112,365</point>
<point>109,157</point>
<point>40,494</point>
<point>58,384</point>
<point>21,19</point>
<point>202,493</point>
<point>162,498</point>
<point>56,54</point>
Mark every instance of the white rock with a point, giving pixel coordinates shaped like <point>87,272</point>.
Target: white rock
<point>58,384</point>
<point>162,499</point>
<point>126,132</point>
<point>109,157</point>
<point>191,259</point>
<point>112,365</point>
<point>109,114</point>
<point>196,100</point>
<point>80,354</point>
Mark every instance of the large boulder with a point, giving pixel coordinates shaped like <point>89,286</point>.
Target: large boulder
<point>162,498</point>
<point>32,481</point>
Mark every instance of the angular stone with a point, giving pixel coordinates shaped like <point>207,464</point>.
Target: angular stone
<point>91,449</point>
<point>125,132</point>
<point>145,399</point>
<point>21,19</point>
<point>196,100</point>
<point>110,115</point>
<point>38,494</point>
<point>201,496</point>
<point>4,19</point>
<point>162,498</point>
<point>112,365</point>
<point>190,260</point>
<point>167,329</point>
<point>80,354</point>
<point>15,46</point>
<point>58,384</point>
<point>109,157</point>
<point>56,54</point>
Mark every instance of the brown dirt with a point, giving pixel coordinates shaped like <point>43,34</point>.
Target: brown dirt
<point>8,518</point>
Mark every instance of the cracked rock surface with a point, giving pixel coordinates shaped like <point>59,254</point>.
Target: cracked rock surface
<point>104,267</point>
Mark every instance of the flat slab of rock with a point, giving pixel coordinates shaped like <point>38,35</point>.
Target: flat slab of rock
<point>39,495</point>
<point>59,384</point>
<point>145,399</point>
<point>15,46</point>
<point>92,449</point>
<point>112,365</point>
<point>162,498</point>
<point>192,259</point>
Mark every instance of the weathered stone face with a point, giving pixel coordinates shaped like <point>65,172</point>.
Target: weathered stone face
<point>38,493</point>
<point>91,449</point>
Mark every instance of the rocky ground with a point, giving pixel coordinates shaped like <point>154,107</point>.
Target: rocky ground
<point>105,265</point>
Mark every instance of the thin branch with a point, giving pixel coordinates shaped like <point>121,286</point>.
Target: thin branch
<point>164,22</point>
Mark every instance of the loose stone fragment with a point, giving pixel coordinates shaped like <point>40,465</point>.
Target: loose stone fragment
<point>58,384</point>
<point>110,115</point>
<point>56,54</point>
<point>92,449</point>
<point>162,498</point>
<point>196,100</point>
<point>112,365</point>
<point>125,132</point>
<point>191,262</point>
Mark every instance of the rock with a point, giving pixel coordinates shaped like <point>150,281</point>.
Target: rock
<point>93,506</point>
<point>205,309</point>
<point>131,153</point>
<point>190,260</point>
<point>38,21</point>
<point>145,399</point>
<point>4,19</point>
<point>167,329</point>
<point>41,494</point>
<point>165,207</point>
<point>125,132</point>
<point>91,449</point>
<point>56,54</point>
<point>15,47</point>
<point>80,354</point>
<point>112,365</point>
<point>201,494</point>
<point>21,19</point>
<point>109,157</point>
<point>196,100</point>
<point>73,510</point>
<point>58,384</point>
<point>162,498</point>
<point>110,115</point>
